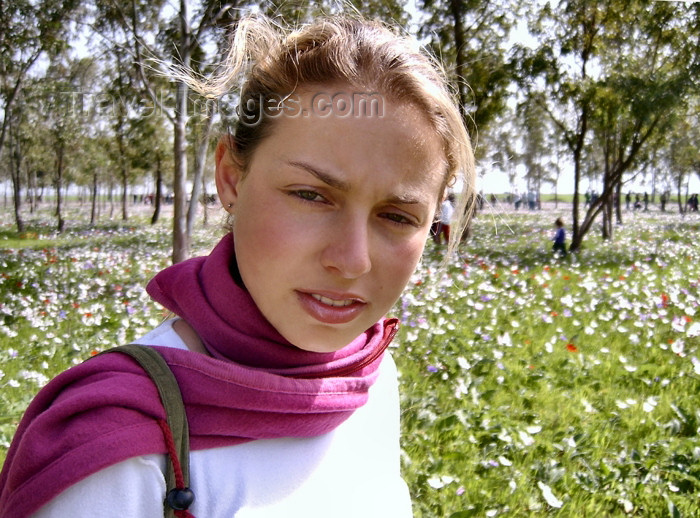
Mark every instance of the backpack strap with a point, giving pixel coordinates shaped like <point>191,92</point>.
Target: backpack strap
<point>175,431</point>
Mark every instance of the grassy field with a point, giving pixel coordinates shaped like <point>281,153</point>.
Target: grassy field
<point>531,386</point>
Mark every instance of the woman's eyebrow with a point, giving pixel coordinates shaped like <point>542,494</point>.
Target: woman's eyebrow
<point>337,183</point>
<point>405,199</point>
<point>325,177</point>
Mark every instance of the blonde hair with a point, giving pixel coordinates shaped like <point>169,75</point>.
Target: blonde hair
<point>266,61</point>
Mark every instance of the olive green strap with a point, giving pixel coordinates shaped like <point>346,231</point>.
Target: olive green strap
<point>159,371</point>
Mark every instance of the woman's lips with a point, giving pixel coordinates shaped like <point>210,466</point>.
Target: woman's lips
<point>331,309</point>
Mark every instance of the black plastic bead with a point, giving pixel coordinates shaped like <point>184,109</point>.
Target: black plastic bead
<point>180,499</point>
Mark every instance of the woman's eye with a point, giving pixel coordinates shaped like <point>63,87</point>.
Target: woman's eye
<point>399,219</point>
<point>308,195</point>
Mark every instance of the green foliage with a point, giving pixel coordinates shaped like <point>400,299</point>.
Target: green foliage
<point>468,37</point>
<point>611,76</point>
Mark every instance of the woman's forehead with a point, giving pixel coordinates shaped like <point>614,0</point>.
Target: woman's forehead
<point>400,140</point>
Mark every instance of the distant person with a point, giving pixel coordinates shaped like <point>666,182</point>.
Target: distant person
<point>531,200</point>
<point>637,202</point>
<point>446,214</point>
<point>628,200</point>
<point>559,238</point>
<point>646,202</point>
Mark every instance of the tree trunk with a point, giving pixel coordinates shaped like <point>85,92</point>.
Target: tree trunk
<point>205,204</point>
<point>159,192</point>
<point>181,238</point>
<point>110,198</point>
<point>618,202</point>
<point>605,228</point>
<point>16,173</point>
<point>59,183</point>
<point>31,184</point>
<point>200,162</point>
<point>16,195</point>
<point>125,196</point>
<point>123,173</point>
<point>607,198</point>
<point>93,199</point>
<point>457,12</point>
<point>681,206</point>
<point>577,234</point>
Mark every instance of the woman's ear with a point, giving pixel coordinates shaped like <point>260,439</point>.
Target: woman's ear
<point>228,174</point>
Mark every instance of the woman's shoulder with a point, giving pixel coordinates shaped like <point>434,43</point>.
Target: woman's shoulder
<point>136,484</point>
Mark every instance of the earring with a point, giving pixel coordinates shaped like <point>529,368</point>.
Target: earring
<point>230,205</point>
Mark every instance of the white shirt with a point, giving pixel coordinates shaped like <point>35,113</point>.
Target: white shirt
<point>350,472</point>
<point>446,212</point>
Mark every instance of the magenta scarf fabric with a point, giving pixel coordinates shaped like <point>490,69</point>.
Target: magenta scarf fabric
<point>255,386</point>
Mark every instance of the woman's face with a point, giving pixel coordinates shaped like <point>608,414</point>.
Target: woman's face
<point>332,217</point>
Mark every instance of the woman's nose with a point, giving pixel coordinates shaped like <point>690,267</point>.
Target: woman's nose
<point>347,250</point>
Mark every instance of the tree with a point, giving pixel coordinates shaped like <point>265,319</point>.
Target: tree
<point>18,144</point>
<point>151,37</point>
<point>536,154</point>
<point>207,111</point>
<point>64,105</point>
<point>680,156</point>
<point>611,75</point>
<point>29,30</point>
<point>471,36</point>
<point>151,153</point>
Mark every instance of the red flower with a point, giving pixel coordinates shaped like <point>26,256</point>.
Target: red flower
<point>572,348</point>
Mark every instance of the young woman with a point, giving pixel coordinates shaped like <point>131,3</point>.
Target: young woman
<point>345,141</point>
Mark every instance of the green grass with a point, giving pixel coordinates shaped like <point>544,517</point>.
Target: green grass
<point>523,374</point>
<point>531,386</point>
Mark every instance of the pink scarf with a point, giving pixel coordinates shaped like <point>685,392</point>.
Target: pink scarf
<point>255,386</point>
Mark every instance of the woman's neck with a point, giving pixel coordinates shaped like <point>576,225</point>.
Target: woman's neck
<point>189,336</point>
